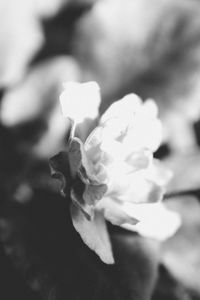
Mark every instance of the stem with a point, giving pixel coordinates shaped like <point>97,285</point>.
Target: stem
<point>73,129</point>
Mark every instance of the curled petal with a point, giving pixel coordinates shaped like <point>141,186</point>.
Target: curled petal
<point>93,233</point>
<point>80,101</point>
<point>94,139</point>
<point>113,212</point>
<point>156,221</point>
<point>59,167</point>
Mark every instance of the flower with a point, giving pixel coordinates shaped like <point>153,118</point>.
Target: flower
<point>114,176</point>
<point>80,101</point>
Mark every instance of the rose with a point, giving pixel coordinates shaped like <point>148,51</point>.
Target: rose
<point>113,175</point>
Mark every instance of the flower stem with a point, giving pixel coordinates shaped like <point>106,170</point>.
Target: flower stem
<point>73,129</point>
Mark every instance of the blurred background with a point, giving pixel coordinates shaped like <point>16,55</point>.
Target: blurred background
<point>149,47</point>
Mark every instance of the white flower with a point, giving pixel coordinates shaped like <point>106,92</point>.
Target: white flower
<point>122,181</point>
<point>80,101</point>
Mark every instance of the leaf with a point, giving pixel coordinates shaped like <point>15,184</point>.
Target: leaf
<point>60,169</point>
<point>78,160</point>
<point>75,156</point>
<point>59,166</point>
<point>69,168</point>
<point>93,233</point>
<point>77,198</point>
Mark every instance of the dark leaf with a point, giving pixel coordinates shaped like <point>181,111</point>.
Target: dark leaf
<point>75,156</point>
<point>59,165</point>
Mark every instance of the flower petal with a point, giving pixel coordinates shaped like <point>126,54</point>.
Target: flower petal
<point>80,101</point>
<point>94,139</point>
<point>119,116</point>
<point>135,188</point>
<point>93,233</point>
<point>80,165</point>
<point>139,159</point>
<point>123,109</point>
<point>134,124</point>
<point>78,160</point>
<point>159,173</point>
<point>94,193</point>
<point>144,133</point>
<point>156,221</point>
<point>113,212</point>
<point>150,108</point>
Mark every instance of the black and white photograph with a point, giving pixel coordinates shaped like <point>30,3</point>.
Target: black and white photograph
<point>99,149</point>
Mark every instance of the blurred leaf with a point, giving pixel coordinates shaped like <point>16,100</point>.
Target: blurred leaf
<point>168,288</point>
<point>186,170</point>
<point>150,59</point>
<point>31,109</point>
<point>181,253</point>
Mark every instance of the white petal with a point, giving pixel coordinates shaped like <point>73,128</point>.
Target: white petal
<point>156,221</point>
<point>80,101</point>
<point>113,148</point>
<point>140,190</point>
<point>124,108</point>
<point>159,173</point>
<point>139,159</point>
<point>94,139</point>
<point>135,123</point>
<point>113,212</point>
<point>150,108</point>
<point>93,233</point>
<point>145,133</point>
